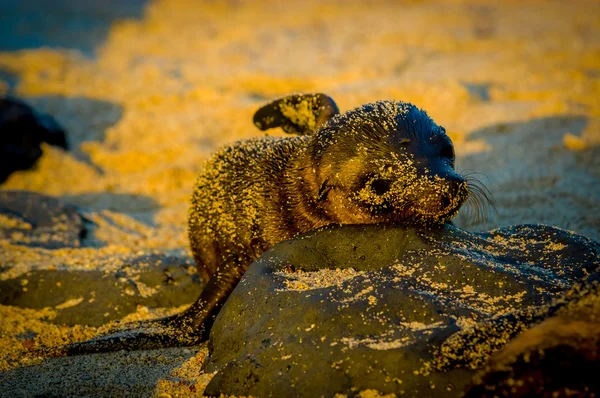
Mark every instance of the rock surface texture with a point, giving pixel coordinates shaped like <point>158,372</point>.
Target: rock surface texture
<point>399,310</point>
<point>81,295</point>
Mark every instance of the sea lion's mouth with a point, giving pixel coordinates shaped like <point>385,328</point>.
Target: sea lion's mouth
<point>439,216</point>
<point>429,208</point>
<point>445,207</point>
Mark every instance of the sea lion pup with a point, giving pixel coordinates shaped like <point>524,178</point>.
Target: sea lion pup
<point>385,162</point>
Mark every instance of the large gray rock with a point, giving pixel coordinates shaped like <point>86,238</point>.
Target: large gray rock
<point>387,324</point>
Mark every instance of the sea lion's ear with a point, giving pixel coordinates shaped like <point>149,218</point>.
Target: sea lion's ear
<point>297,113</point>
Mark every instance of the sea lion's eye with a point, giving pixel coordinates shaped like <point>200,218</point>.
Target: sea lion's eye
<point>380,186</point>
<point>447,151</point>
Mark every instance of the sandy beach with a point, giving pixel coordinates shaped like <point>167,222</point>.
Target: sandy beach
<point>150,93</point>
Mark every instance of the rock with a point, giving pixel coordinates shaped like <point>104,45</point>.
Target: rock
<point>92,295</point>
<point>392,317</point>
<point>31,219</point>
<point>534,363</point>
<point>22,130</point>
<point>96,297</point>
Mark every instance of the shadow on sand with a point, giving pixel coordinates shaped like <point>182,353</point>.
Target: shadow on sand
<point>73,24</point>
<point>537,179</point>
<point>139,207</point>
<point>120,374</point>
<point>83,119</point>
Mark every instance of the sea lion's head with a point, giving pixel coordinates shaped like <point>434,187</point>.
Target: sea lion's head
<point>386,161</point>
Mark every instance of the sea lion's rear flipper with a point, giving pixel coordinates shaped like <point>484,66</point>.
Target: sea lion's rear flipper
<point>174,331</point>
<point>300,114</point>
<point>191,327</point>
<point>146,336</point>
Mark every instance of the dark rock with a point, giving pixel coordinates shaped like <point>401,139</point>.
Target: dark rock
<point>89,296</point>
<point>535,362</point>
<point>31,219</point>
<point>389,325</point>
<point>22,130</point>
<point>95,297</point>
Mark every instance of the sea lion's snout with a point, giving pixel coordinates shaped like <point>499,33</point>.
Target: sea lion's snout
<point>437,199</point>
<point>454,195</point>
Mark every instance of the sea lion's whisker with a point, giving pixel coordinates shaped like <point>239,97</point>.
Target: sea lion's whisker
<point>480,201</point>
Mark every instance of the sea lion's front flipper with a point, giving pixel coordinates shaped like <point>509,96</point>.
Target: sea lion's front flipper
<point>300,114</point>
<point>191,327</point>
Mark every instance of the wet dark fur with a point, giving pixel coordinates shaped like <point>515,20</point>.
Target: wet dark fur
<point>385,162</point>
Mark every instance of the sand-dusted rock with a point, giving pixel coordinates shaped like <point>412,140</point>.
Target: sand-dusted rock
<point>80,294</point>
<point>22,130</point>
<point>384,319</point>
<point>32,219</point>
<point>95,297</point>
<point>536,362</point>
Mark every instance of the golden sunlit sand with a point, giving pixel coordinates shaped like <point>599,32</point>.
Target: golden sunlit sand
<point>516,85</point>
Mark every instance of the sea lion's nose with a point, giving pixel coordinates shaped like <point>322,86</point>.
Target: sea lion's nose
<point>456,190</point>
<point>446,200</point>
<point>455,182</point>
